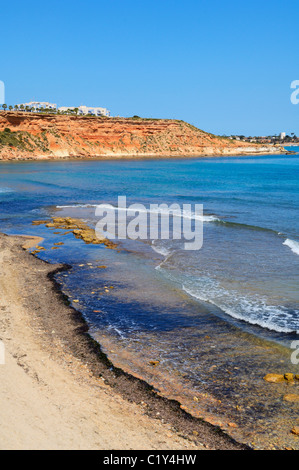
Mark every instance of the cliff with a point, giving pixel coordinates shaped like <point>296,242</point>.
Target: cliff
<point>36,136</point>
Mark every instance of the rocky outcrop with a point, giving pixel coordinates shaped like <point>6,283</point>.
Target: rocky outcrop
<point>36,136</point>
<point>80,229</point>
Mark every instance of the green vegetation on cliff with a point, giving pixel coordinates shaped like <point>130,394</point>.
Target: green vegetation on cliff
<point>22,140</point>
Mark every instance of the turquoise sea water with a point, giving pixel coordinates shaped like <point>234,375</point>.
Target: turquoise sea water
<point>248,266</point>
<point>243,285</point>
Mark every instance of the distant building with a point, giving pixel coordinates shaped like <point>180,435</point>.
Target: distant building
<point>39,105</point>
<point>282,135</point>
<point>84,110</point>
<point>44,105</point>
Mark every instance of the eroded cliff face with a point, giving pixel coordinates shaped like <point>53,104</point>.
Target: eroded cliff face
<point>35,136</point>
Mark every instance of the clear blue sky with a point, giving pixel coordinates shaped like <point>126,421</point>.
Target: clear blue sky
<point>224,66</point>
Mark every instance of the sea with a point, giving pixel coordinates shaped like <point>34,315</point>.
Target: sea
<point>203,326</point>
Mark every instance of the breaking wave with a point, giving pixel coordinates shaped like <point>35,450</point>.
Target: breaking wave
<point>250,310</point>
<point>183,213</point>
<point>293,245</point>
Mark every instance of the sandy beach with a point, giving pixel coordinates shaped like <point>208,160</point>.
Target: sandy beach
<point>57,389</point>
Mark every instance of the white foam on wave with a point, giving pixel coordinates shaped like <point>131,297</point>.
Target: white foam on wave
<point>184,214</point>
<point>293,245</point>
<point>5,190</point>
<point>252,311</point>
<point>77,206</point>
<point>161,250</point>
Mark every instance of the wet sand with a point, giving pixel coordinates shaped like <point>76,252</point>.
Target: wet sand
<point>59,391</point>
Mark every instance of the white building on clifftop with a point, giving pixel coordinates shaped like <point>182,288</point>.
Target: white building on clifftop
<point>38,105</point>
<point>84,110</point>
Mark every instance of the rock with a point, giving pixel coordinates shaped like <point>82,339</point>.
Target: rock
<point>60,220</point>
<point>274,378</point>
<point>289,377</point>
<point>291,398</point>
<point>79,229</point>
<point>295,430</point>
<point>39,222</point>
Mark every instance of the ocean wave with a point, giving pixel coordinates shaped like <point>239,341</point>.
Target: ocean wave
<point>184,214</point>
<point>5,190</point>
<point>293,245</point>
<point>254,312</point>
<point>161,250</point>
<point>77,206</point>
<point>238,225</point>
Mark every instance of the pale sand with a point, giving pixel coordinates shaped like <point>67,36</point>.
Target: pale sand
<point>49,400</point>
<point>30,241</point>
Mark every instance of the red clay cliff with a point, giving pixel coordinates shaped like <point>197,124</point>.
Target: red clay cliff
<point>37,136</point>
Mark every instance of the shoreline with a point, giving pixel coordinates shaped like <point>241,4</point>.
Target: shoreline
<point>118,157</point>
<point>64,326</point>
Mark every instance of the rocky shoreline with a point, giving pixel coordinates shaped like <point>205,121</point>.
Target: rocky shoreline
<point>78,228</point>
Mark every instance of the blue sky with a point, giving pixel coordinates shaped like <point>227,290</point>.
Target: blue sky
<point>224,66</point>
